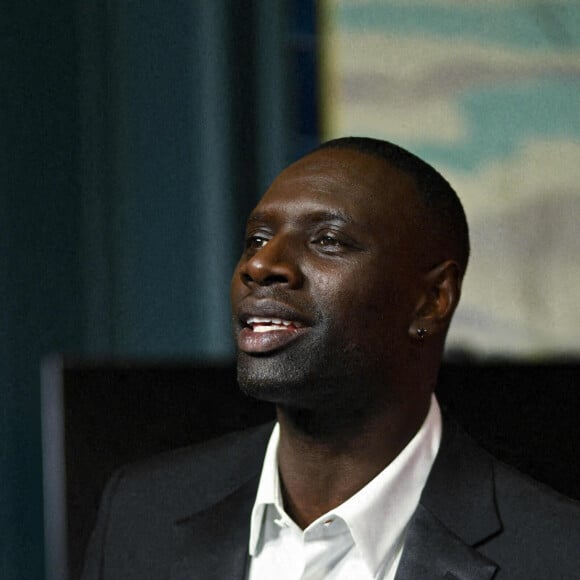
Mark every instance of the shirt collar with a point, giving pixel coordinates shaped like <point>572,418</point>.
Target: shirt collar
<point>269,492</point>
<point>378,514</point>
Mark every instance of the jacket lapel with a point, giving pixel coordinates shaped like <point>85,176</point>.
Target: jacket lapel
<point>457,512</point>
<point>213,544</point>
<point>432,552</point>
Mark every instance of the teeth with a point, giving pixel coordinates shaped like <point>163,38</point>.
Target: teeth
<point>262,324</point>
<point>264,328</point>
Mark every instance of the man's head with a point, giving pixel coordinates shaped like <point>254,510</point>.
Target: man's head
<point>353,252</point>
<point>433,189</point>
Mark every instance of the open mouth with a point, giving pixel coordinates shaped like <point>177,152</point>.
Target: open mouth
<point>262,324</point>
<point>261,334</point>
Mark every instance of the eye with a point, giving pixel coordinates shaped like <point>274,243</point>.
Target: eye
<point>328,240</point>
<point>255,242</point>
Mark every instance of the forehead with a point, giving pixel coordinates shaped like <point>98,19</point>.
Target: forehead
<point>359,186</point>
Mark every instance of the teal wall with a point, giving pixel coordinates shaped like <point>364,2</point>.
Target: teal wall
<point>40,273</point>
<point>135,137</point>
<point>173,160</point>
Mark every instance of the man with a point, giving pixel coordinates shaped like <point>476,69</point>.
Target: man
<point>341,301</point>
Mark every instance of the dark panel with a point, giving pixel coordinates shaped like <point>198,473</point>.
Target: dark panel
<point>526,415</point>
<point>115,413</point>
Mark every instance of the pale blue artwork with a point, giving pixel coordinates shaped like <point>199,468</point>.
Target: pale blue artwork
<point>489,93</point>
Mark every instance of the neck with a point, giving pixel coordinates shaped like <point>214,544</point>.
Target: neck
<point>323,460</point>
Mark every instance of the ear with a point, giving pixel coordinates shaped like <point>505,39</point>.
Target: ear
<point>435,307</point>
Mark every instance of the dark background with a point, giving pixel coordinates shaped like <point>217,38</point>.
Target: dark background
<point>109,413</point>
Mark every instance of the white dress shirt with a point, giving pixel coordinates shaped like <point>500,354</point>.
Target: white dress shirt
<point>361,539</point>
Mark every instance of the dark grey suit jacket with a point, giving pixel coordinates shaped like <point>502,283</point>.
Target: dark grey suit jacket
<point>186,515</point>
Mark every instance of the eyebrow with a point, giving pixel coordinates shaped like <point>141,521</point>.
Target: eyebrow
<point>312,217</point>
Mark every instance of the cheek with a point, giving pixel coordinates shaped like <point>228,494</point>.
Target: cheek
<point>378,310</point>
<point>365,308</point>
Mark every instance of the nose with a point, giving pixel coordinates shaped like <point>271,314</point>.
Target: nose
<point>274,263</point>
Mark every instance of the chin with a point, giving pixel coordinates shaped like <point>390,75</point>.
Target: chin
<point>316,405</point>
<point>296,381</point>
<point>273,380</point>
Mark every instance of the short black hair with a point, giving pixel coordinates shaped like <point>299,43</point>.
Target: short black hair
<point>433,189</point>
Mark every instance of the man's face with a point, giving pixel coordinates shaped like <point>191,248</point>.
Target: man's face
<point>325,290</point>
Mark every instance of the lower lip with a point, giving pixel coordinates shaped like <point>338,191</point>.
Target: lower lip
<point>262,342</point>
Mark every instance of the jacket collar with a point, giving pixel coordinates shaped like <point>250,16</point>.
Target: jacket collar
<point>213,544</point>
<point>433,552</point>
<point>455,515</point>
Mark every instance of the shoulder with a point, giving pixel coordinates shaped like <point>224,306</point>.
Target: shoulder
<point>540,528</point>
<point>515,492</point>
<point>536,531</point>
<point>195,475</point>
<point>533,506</point>
<point>135,532</point>
<point>518,495</point>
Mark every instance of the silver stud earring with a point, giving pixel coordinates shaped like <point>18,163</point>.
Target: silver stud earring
<point>421,333</point>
